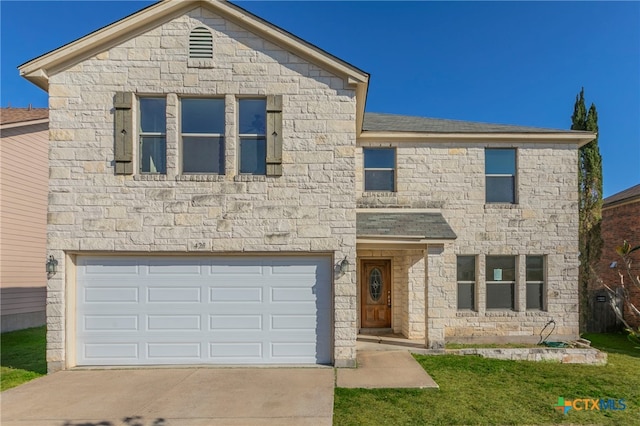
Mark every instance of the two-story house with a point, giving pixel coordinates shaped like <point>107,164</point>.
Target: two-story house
<point>219,195</point>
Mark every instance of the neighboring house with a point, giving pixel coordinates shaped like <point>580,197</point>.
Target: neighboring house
<point>218,195</point>
<point>621,222</point>
<point>24,174</point>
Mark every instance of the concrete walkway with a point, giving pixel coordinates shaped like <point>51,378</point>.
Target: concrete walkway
<point>385,369</point>
<point>174,396</point>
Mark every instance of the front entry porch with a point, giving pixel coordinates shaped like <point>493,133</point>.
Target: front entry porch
<point>401,264</point>
<point>391,293</point>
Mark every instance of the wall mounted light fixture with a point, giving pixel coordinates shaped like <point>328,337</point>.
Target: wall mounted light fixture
<point>52,266</point>
<point>344,266</point>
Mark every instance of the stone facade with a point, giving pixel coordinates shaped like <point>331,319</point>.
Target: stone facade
<point>561,355</point>
<point>310,208</point>
<point>450,177</point>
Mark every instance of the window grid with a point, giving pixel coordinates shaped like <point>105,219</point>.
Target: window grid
<point>152,144</point>
<point>496,295</point>
<point>501,165</point>
<point>370,172</point>
<point>535,287</point>
<point>253,144</point>
<point>466,287</point>
<point>203,152</point>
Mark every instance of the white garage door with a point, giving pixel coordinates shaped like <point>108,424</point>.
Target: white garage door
<point>213,310</point>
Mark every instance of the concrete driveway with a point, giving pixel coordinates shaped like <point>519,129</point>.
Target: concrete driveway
<point>174,396</point>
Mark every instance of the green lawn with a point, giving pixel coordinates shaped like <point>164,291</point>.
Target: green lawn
<point>613,342</point>
<point>22,356</point>
<point>475,390</point>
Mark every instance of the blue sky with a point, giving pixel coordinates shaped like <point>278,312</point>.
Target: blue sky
<point>500,62</point>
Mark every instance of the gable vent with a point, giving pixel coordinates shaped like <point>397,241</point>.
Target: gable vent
<point>200,43</point>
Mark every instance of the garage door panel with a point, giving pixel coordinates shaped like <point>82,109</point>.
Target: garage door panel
<point>228,266</point>
<point>293,322</point>
<point>112,352</point>
<point>174,351</point>
<point>289,350</point>
<point>235,322</point>
<point>174,294</point>
<point>220,310</point>
<point>111,295</point>
<point>110,323</point>
<point>235,294</point>
<point>111,267</point>
<point>179,268</point>
<point>292,294</point>
<point>173,322</point>
<point>236,352</point>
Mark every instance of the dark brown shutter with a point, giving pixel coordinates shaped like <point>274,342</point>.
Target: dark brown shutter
<point>123,133</point>
<point>274,135</point>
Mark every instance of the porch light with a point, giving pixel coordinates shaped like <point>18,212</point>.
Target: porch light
<point>52,266</point>
<point>344,266</point>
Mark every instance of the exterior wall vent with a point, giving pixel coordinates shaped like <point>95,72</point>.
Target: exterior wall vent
<point>200,44</point>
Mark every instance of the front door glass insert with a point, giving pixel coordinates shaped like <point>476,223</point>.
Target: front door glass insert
<point>375,284</point>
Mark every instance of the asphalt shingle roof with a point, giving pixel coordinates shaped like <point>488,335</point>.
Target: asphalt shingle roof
<point>377,122</point>
<point>19,115</point>
<point>627,194</point>
<point>423,225</point>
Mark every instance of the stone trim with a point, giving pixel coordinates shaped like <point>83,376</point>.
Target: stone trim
<point>144,178</point>
<point>200,178</point>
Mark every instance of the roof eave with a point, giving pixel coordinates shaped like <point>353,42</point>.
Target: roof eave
<point>23,123</point>
<point>624,201</point>
<point>399,243</point>
<point>580,138</point>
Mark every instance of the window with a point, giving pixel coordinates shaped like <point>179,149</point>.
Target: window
<point>252,132</point>
<point>501,279</point>
<point>535,282</point>
<point>200,44</point>
<point>500,173</point>
<point>203,136</point>
<point>379,169</point>
<point>466,270</point>
<point>153,135</point>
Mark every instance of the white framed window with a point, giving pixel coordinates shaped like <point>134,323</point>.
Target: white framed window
<point>252,115</point>
<point>202,131</point>
<point>500,175</point>
<point>466,277</point>
<point>379,169</point>
<point>535,282</point>
<point>500,281</point>
<point>152,135</point>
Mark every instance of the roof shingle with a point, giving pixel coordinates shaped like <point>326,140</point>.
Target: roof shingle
<point>629,193</point>
<point>19,115</point>
<point>419,225</point>
<point>378,122</point>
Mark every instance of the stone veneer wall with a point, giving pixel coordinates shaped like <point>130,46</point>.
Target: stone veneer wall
<point>449,177</point>
<point>311,208</point>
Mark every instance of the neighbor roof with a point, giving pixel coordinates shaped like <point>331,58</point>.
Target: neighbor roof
<point>404,123</point>
<point>622,196</point>
<point>425,226</point>
<point>20,115</point>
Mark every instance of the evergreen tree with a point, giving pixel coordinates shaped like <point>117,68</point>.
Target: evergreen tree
<point>589,202</point>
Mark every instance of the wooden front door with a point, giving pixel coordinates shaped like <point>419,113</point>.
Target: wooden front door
<point>375,284</point>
